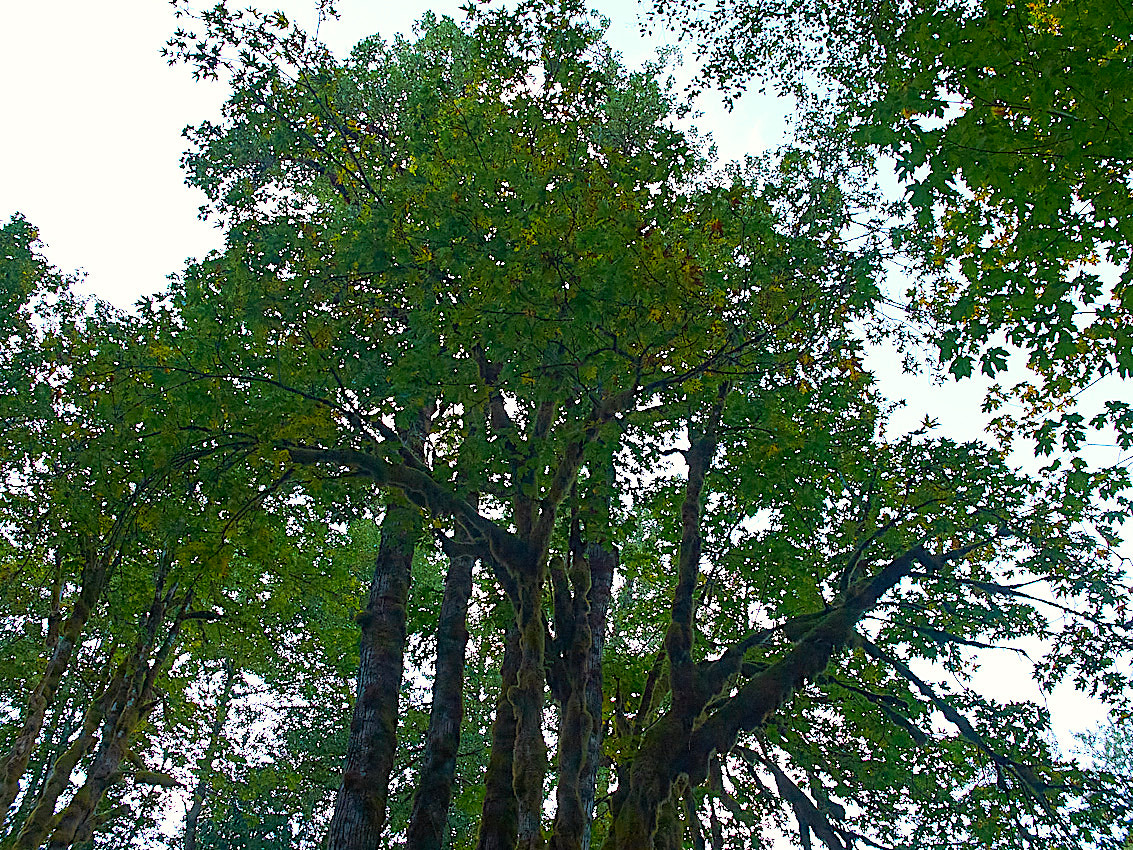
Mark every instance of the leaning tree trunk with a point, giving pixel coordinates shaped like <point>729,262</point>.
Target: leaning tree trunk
<point>127,713</point>
<point>120,711</point>
<point>429,821</point>
<point>204,766</point>
<point>55,740</point>
<point>15,762</point>
<point>37,825</point>
<point>360,807</point>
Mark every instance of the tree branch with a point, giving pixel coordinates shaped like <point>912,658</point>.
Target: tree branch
<point>423,491</point>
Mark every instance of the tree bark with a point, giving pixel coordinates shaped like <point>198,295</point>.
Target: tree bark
<point>603,563</point>
<point>499,819</point>
<point>204,766</point>
<point>429,820</point>
<point>55,740</point>
<point>15,761</point>
<point>529,765</point>
<point>127,712</point>
<point>360,807</point>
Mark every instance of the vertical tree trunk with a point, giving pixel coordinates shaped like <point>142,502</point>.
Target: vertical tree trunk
<point>579,688</point>
<point>648,786</point>
<point>204,766</point>
<point>576,722</point>
<point>15,761</point>
<point>603,563</point>
<point>529,767</point>
<point>429,821</point>
<point>360,807</point>
<point>499,819</point>
<point>575,728</point>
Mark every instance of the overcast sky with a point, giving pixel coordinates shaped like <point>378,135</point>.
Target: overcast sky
<point>91,139</point>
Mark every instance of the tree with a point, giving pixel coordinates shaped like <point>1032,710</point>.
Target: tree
<point>115,570</point>
<point>1110,747</point>
<point>605,406</point>
<point>1009,126</point>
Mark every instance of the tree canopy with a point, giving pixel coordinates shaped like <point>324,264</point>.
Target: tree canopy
<point>512,476</point>
<point>1009,125</point>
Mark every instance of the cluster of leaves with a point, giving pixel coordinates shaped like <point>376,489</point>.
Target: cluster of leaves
<point>124,554</point>
<point>1009,126</point>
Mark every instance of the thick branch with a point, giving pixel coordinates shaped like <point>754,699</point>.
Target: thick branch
<point>684,680</point>
<point>423,491</point>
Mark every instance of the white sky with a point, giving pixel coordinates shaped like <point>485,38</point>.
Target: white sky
<point>92,139</point>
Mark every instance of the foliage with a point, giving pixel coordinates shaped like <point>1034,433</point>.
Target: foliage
<point>1009,127</point>
<point>1110,747</point>
<point>481,281</point>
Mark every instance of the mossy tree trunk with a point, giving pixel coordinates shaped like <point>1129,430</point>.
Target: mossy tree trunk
<point>360,807</point>
<point>63,641</point>
<point>428,824</point>
<point>499,818</point>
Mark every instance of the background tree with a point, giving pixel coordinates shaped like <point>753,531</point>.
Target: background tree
<point>1109,747</point>
<point>1008,125</point>
<point>116,570</point>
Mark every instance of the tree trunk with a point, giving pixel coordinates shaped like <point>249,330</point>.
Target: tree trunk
<point>15,762</point>
<point>76,822</point>
<point>54,742</point>
<point>670,827</point>
<point>648,787</point>
<point>603,563</point>
<point>204,766</point>
<point>653,768</point>
<point>671,748</point>
<point>581,710</point>
<point>499,819</point>
<point>360,807</point>
<point>429,821</point>
<point>37,825</point>
<point>529,766</point>
<point>127,712</point>
<point>575,729</point>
